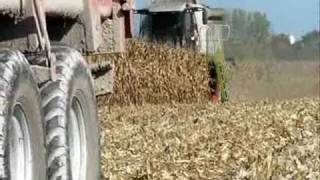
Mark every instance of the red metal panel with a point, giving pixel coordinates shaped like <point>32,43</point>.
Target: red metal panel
<point>104,7</point>
<point>105,3</point>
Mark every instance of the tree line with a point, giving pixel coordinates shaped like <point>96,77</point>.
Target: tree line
<point>252,38</point>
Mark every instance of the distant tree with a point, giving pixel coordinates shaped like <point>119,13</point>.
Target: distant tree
<point>311,39</point>
<point>260,28</point>
<point>309,46</point>
<point>281,47</point>
<point>250,34</point>
<point>248,26</point>
<point>239,23</point>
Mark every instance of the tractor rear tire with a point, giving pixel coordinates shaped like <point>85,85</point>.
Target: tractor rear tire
<point>72,125</point>
<point>22,146</point>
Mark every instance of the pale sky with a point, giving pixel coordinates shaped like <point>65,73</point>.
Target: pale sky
<point>287,16</point>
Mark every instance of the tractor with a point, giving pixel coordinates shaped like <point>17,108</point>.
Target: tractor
<point>192,25</point>
<point>51,55</point>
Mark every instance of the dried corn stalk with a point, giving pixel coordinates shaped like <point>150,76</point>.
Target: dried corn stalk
<point>153,73</point>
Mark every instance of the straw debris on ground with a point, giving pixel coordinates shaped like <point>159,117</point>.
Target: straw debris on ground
<point>258,140</point>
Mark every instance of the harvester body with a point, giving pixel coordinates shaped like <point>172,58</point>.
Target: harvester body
<point>184,23</point>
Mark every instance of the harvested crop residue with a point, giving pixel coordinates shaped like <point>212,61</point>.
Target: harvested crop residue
<point>158,73</point>
<point>264,140</point>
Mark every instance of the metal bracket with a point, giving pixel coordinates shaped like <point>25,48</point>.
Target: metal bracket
<point>40,20</point>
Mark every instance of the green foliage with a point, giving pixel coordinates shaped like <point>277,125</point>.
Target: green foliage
<point>311,39</point>
<point>260,28</point>
<point>223,72</point>
<point>310,45</point>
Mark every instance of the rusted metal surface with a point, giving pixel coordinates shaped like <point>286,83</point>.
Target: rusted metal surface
<point>168,6</point>
<point>70,8</point>
<point>11,6</point>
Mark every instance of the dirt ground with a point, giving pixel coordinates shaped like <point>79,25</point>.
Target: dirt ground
<point>262,140</point>
<point>275,80</point>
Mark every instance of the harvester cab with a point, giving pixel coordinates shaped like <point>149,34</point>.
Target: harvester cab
<point>184,23</point>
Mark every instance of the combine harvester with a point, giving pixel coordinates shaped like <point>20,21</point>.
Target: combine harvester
<point>48,117</point>
<point>190,24</point>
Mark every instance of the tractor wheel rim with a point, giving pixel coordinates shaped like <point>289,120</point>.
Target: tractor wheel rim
<point>77,141</point>
<point>19,148</point>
